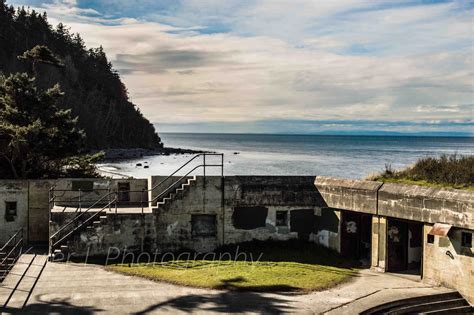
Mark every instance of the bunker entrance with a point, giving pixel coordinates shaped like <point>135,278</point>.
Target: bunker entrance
<point>356,236</point>
<point>404,246</point>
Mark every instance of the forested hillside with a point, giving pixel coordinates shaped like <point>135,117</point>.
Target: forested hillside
<point>93,89</point>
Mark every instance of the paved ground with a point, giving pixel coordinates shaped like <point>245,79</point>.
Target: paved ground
<point>87,289</point>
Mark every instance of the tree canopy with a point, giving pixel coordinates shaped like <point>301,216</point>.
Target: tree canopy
<point>36,136</point>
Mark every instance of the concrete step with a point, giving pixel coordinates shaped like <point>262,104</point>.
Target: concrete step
<point>64,248</point>
<point>453,310</point>
<point>401,306</point>
<point>431,306</point>
<point>96,223</point>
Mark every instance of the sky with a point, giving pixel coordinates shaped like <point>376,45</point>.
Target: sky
<point>286,66</point>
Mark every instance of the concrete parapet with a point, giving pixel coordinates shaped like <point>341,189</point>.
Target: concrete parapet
<point>427,204</point>
<point>349,194</point>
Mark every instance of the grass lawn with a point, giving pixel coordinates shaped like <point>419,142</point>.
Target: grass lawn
<point>282,267</point>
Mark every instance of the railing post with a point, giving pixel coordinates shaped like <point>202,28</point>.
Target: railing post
<point>116,199</point>
<point>110,201</point>
<point>222,165</point>
<point>141,198</point>
<point>204,166</point>
<point>80,205</point>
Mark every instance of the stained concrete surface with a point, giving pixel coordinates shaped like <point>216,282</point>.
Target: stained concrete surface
<point>88,289</point>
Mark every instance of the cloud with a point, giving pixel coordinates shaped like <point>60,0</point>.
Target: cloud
<point>199,62</point>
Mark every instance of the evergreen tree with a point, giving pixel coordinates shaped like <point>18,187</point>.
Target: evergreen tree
<point>35,135</point>
<point>93,89</point>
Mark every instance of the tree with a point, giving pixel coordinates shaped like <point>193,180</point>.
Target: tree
<point>35,135</point>
<point>41,54</point>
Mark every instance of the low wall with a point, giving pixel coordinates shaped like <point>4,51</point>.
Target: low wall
<point>426,204</point>
<point>13,191</point>
<point>446,263</point>
<point>348,194</point>
<point>132,232</point>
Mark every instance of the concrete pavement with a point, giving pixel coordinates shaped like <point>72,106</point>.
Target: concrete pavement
<point>68,288</point>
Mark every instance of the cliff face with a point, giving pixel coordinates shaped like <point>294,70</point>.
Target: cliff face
<point>93,89</point>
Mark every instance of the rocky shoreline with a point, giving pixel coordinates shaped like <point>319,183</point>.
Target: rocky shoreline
<point>134,153</point>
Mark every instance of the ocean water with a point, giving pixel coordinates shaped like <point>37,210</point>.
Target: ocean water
<point>340,156</point>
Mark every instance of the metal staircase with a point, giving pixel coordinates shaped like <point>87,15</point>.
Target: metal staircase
<point>95,215</point>
<point>9,253</point>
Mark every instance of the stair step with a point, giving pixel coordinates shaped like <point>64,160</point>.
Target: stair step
<point>434,305</point>
<point>395,306</point>
<point>64,248</point>
<point>453,310</point>
<point>96,223</point>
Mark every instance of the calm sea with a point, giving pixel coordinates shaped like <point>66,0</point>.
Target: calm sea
<point>342,156</point>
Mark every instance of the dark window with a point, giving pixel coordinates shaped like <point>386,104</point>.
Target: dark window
<point>430,239</point>
<point>203,225</point>
<point>10,210</point>
<point>83,185</point>
<point>249,218</point>
<point>282,218</point>
<point>123,192</point>
<point>466,239</point>
<point>10,207</point>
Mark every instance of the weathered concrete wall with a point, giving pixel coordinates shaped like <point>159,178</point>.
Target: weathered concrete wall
<point>132,232</point>
<point>307,215</point>
<point>425,204</point>
<point>13,191</point>
<point>446,263</point>
<point>215,211</point>
<point>38,213</point>
<point>348,194</point>
<point>173,220</point>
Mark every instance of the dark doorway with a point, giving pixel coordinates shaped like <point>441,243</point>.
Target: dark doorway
<point>356,235</point>
<point>404,246</point>
<point>123,192</point>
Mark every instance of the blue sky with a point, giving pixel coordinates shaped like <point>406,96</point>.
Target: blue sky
<point>296,66</point>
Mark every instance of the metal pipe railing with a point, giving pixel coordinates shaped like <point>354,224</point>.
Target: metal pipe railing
<point>115,200</point>
<point>14,242</point>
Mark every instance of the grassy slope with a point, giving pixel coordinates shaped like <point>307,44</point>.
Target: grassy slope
<point>446,171</point>
<point>284,268</point>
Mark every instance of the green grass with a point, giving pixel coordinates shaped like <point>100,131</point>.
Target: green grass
<point>281,268</point>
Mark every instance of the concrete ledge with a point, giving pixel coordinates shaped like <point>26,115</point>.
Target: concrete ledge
<point>349,194</point>
<point>427,204</point>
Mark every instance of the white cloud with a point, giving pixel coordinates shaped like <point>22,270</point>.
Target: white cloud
<point>285,60</point>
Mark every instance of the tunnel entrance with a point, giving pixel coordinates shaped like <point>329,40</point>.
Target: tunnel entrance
<point>356,235</point>
<point>404,246</point>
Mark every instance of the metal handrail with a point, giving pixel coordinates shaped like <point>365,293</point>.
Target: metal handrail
<point>115,193</point>
<point>157,185</point>
<point>12,239</point>
<point>82,213</point>
<point>80,226</point>
<point>189,161</point>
